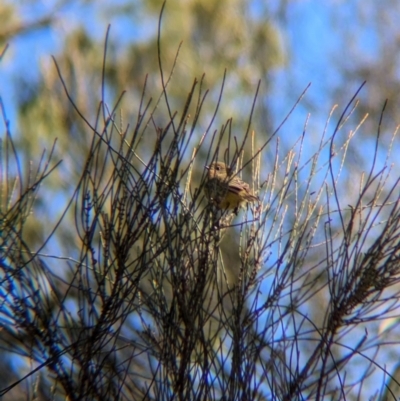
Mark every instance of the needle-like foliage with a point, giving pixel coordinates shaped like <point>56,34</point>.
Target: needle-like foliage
<point>156,303</point>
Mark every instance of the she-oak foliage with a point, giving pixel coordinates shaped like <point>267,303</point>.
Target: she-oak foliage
<point>147,308</point>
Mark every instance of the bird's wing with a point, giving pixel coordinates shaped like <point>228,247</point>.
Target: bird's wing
<point>238,186</point>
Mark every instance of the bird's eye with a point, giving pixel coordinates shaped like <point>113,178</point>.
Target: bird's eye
<point>218,168</point>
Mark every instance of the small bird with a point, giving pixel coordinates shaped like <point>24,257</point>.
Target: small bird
<point>225,191</point>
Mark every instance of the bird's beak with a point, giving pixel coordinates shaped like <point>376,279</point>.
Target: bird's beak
<point>207,167</point>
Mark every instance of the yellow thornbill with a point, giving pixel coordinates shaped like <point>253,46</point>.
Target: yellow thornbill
<point>224,190</point>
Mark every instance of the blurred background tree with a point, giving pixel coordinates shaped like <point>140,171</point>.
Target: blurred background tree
<point>287,44</point>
